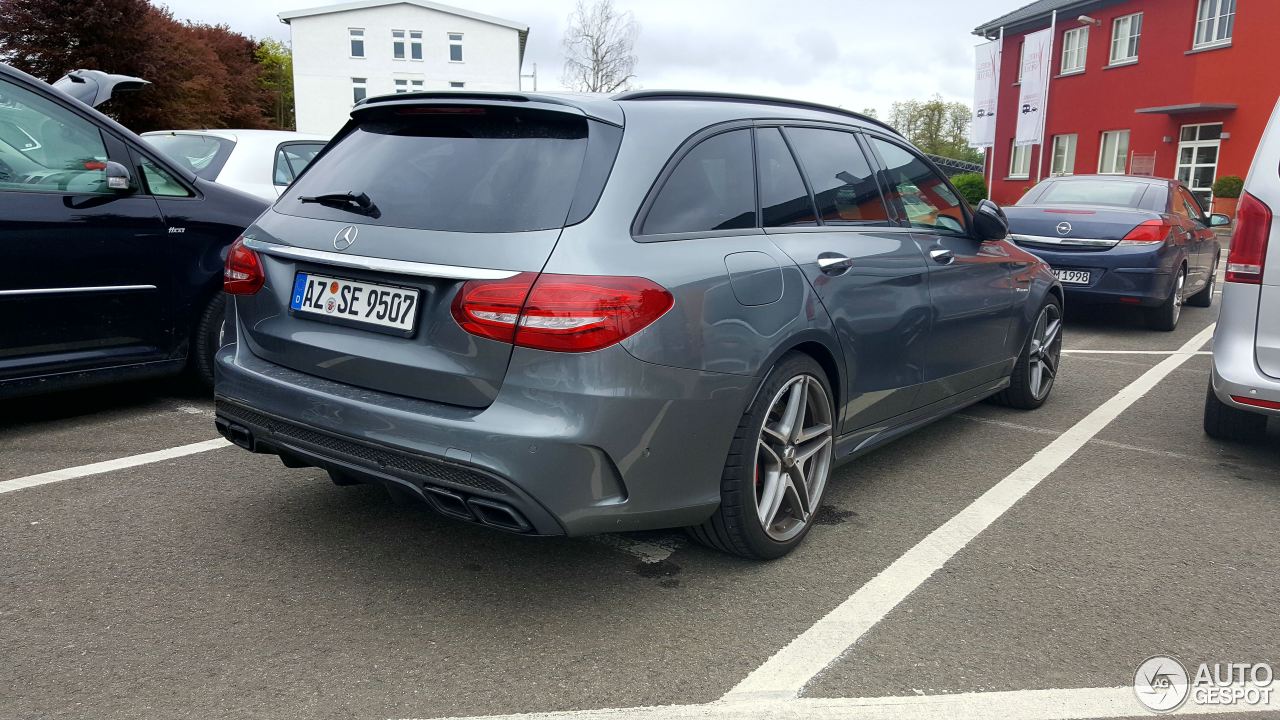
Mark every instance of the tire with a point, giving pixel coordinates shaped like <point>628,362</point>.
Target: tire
<point>1029,389</point>
<point>1165,317</point>
<point>737,526</point>
<point>1223,422</point>
<point>1204,298</point>
<point>205,340</point>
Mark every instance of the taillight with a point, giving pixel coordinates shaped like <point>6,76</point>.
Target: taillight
<point>1248,254</point>
<point>242,274</point>
<point>1151,231</point>
<point>565,313</point>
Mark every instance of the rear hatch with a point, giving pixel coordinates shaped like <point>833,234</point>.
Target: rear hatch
<point>1086,214</point>
<point>1073,228</point>
<point>440,191</point>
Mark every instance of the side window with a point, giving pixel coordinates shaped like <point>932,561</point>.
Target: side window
<point>1192,204</point>
<point>712,188</point>
<point>844,187</point>
<point>45,147</point>
<point>784,201</point>
<point>160,182</point>
<point>291,158</point>
<point>924,195</point>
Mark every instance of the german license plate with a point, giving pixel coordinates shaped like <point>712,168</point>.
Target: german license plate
<point>353,302</point>
<point>1073,277</point>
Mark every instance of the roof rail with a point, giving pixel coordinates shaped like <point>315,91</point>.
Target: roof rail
<point>744,98</point>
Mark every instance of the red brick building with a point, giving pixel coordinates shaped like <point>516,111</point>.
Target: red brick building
<point>1172,88</point>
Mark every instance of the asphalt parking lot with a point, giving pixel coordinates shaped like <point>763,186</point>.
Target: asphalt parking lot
<point>997,563</point>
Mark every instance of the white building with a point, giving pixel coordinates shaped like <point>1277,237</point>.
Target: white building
<point>343,53</point>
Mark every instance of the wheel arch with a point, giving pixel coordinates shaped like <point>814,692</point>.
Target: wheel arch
<point>817,345</point>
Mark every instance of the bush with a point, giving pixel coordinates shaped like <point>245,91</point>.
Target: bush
<point>972,186</point>
<point>1228,186</point>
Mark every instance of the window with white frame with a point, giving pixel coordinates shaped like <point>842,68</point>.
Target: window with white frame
<point>402,85</point>
<point>1063,159</point>
<point>397,44</point>
<point>1022,57</point>
<point>1020,162</point>
<point>456,84</point>
<point>415,44</point>
<point>1075,45</point>
<point>455,47</point>
<point>357,41</point>
<point>359,89</point>
<point>415,85</point>
<point>1125,32</point>
<point>1114,155</point>
<point>1214,22</point>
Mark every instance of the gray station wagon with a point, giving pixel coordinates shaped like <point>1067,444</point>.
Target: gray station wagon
<point>563,315</point>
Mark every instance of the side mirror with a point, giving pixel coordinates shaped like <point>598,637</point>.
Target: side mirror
<point>989,222</point>
<point>1219,220</point>
<point>118,178</point>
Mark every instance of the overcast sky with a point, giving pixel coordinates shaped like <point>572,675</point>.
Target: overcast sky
<point>852,53</point>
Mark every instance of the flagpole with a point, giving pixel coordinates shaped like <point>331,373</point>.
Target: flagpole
<point>1048,83</point>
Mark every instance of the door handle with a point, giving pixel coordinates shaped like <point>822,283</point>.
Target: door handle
<point>942,256</point>
<point>834,263</point>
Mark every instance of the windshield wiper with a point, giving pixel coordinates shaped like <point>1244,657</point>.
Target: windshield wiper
<point>355,202</point>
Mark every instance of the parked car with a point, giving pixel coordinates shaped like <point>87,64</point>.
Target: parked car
<point>536,315</point>
<point>259,162</point>
<point>112,254</point>
<point>1123,239</point>
<point>1244,389</point>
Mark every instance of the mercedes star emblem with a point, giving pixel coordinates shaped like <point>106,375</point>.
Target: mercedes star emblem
<point>346,237</point>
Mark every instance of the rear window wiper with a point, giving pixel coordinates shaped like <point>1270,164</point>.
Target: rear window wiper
<point>355,202</point>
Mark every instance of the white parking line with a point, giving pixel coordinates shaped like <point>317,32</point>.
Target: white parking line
<point>109,465</point>
<point>1074,703</point>
<point>786,674</point>
<point>1140,352</point>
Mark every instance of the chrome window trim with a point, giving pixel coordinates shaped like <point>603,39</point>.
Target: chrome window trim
<point>1046,240</point>
<point>85,289</point>
<point>362,262</point>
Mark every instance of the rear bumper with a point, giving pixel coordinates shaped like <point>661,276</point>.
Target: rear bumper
<point>1235,367</point>
<point>1139,273</point>
<point>569,452</point>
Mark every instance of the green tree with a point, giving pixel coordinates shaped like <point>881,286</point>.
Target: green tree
<point>936,126</point>
<point>275,75</point>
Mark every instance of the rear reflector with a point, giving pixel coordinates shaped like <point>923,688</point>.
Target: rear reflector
<point>565,313</point>
<point>1151,231</point>
<point>242,274</point>
<point>1248,255</point>
<point>1255,402</point>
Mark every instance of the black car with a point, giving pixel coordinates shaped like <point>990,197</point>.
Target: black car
<point>111,256</point>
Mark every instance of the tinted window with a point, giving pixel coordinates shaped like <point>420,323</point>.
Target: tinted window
<point>1192,203</point>
<point>291,158</point>
<point>462,170</point>
<point>923,194</point>
<point>711,189</point>
<point>1118,193</point>
<point>203,155</point>
<point>844,187</point>
<point>45,147</point>
<point>783,198</point>
<point>160,182</point>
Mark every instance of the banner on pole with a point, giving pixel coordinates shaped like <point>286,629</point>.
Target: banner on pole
<point>986,88</point>
<point>1033,94</point>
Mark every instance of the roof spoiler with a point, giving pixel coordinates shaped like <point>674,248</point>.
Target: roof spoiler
<point>94,87</point>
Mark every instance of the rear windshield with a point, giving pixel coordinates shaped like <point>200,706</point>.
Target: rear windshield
<point>1119,193</point>
<point>456,169</point>
<point>203,155</point>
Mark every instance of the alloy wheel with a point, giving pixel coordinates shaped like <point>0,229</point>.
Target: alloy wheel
<point>1179,284</point>
<point>1046,351</point>
<point>793,457</point>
